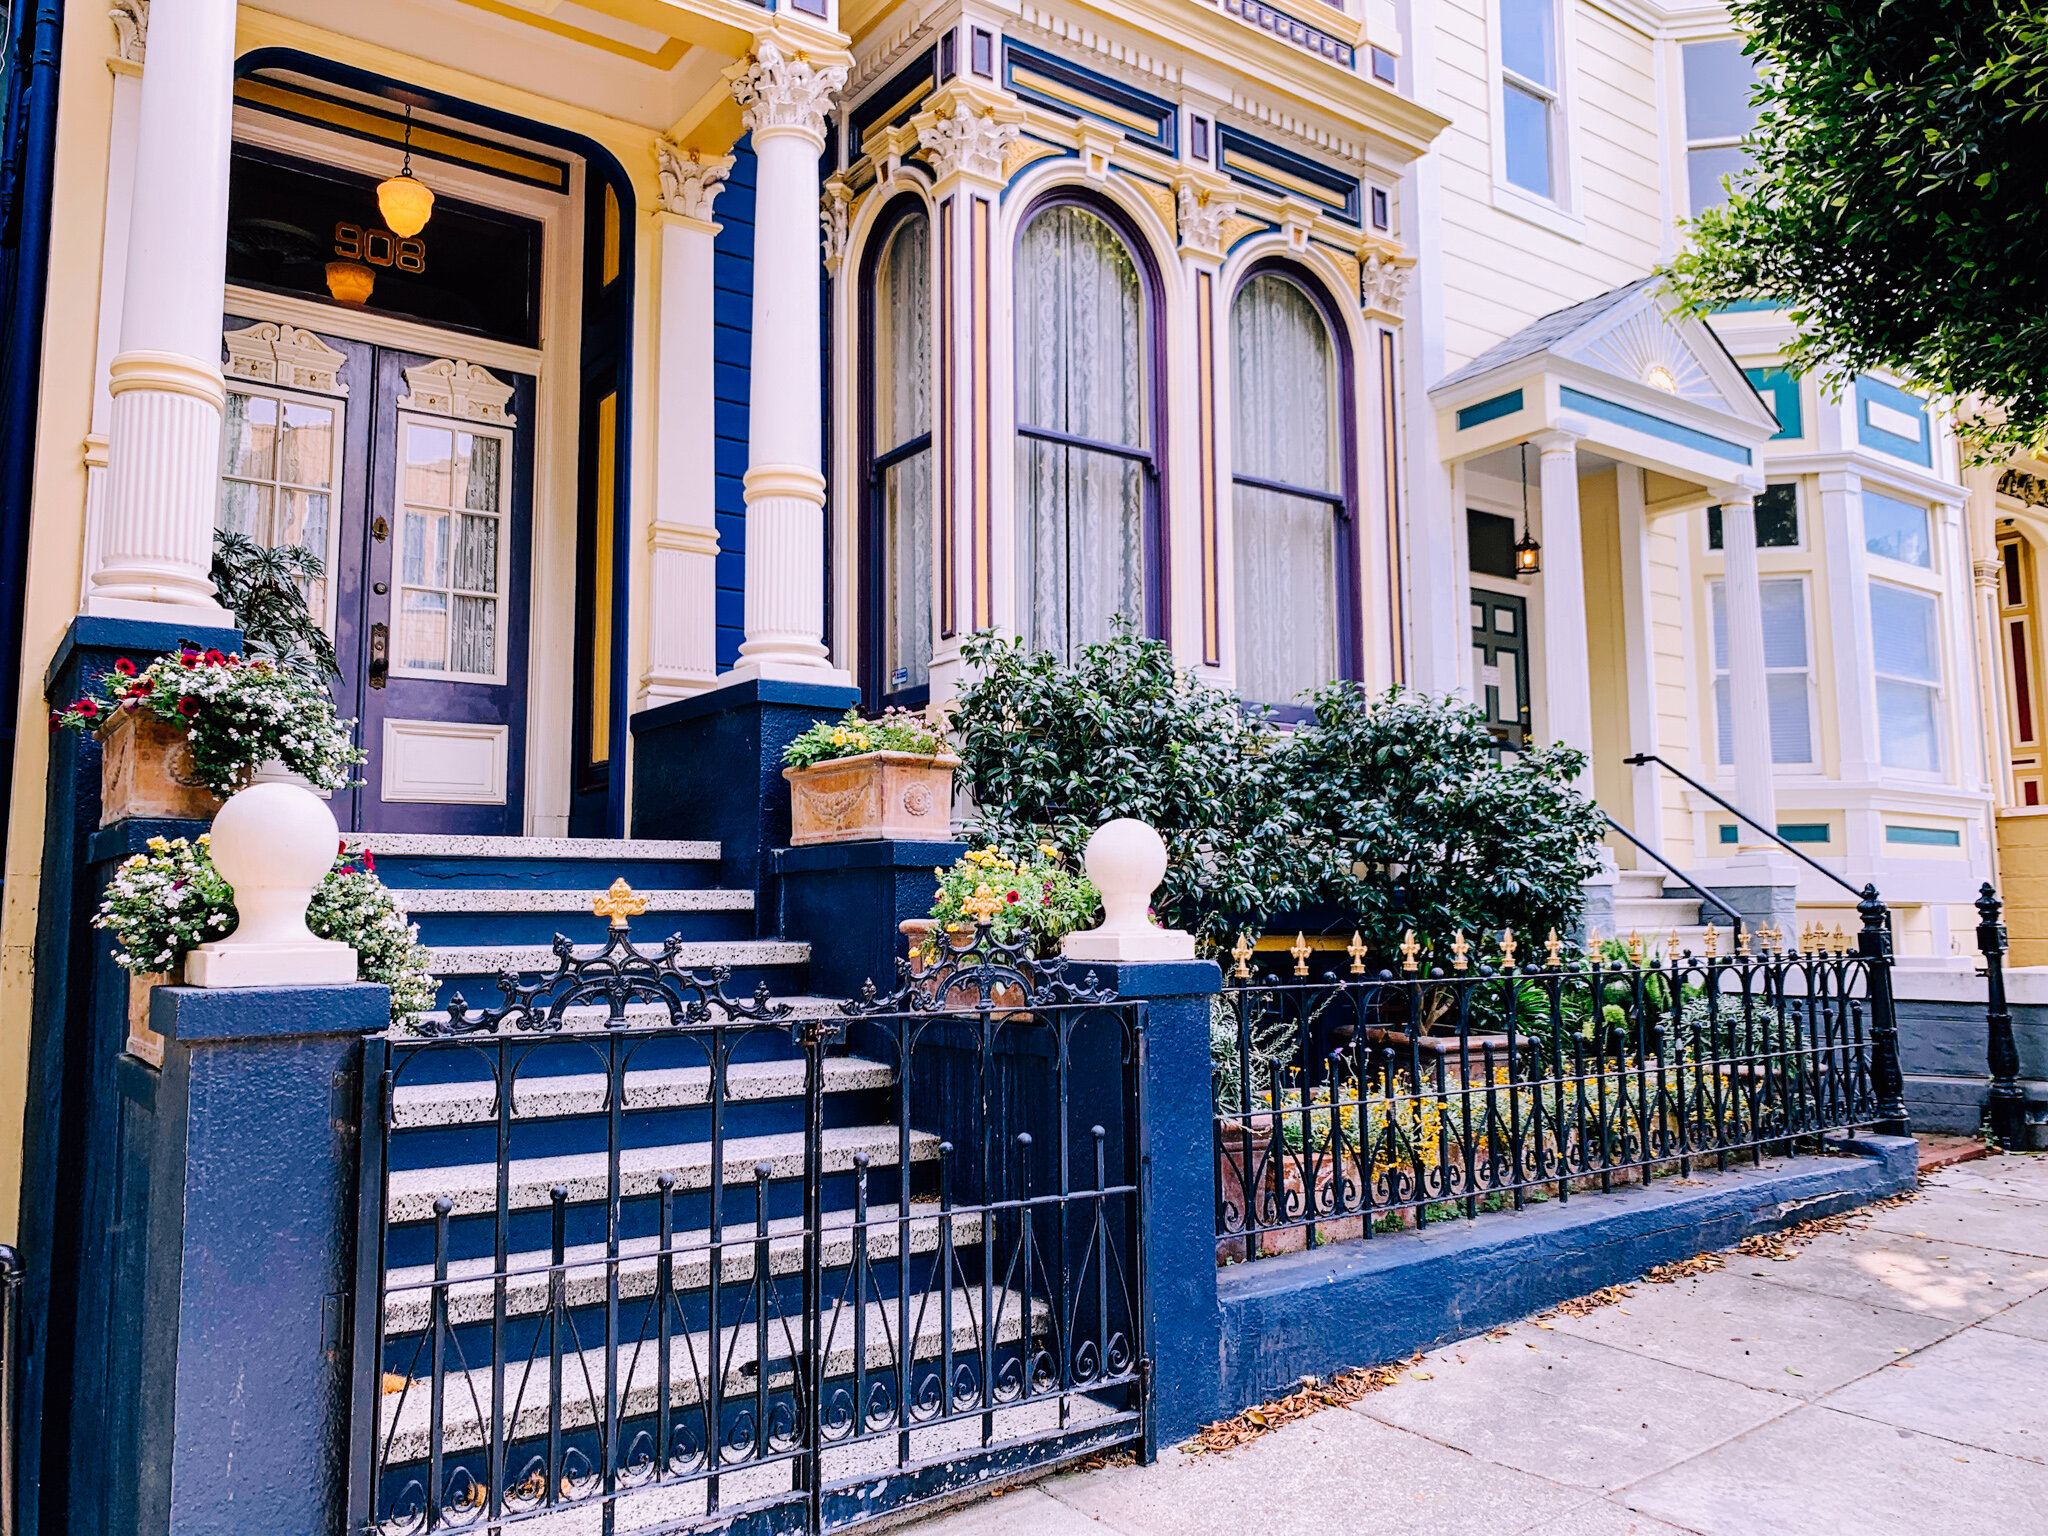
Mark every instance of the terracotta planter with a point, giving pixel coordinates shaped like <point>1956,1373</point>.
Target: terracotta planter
<point>874,796</point>
<point>917,930</point>
<point>146,771</point>
<point>144,1042</point>
<point>1275,1190</point>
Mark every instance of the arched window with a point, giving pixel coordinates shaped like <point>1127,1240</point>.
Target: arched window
<point>898,652</point>
<point>1087,471</point>
<point>1288,461</point>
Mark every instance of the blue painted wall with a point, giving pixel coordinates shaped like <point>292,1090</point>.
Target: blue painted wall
<point>732,342</point>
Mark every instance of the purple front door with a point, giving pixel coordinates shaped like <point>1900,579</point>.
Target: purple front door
<point>414,481</point>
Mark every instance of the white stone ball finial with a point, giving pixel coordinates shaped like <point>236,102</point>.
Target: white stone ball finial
<point>1127,859</point>
<point>273,843</point>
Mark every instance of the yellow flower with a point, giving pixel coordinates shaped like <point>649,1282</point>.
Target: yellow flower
<point>1049,851</point>
<point>158,845</point>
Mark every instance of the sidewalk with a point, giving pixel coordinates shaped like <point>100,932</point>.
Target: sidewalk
<point>1890,1379</point>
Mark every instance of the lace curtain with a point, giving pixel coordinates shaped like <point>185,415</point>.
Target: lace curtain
<point>903,413</point>
<point>1285,408</point>
<point>1081,372</point>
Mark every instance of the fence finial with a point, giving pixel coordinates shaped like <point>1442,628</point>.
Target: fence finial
<point>1409,950</point>
<point>1127,859</point>
<point>1241,952</point>
<point>1301,951</point>
<point>1507,949</point>
<point>273,843</point>
<point>1356,950</point>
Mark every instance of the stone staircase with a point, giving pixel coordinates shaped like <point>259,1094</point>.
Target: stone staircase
<point>501,1157</point>
<point>1641,907</point>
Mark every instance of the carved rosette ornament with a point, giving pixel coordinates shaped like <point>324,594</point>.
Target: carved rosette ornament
<point>689,184</point>
<point>967,142</point>
<point>782,92</point>
<point>1380,284</point>
<point>1202,216</point>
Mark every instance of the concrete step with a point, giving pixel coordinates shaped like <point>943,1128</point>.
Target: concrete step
<point>735,1355</point>
<point>472,1290</point>
<point>448,961</point>
<point>543,899</point>
<point>593,1018</point>
<point>1638,885</point>
<point>471,1189</point>
<point>1658,916</point>
<point>416,1106</point>
<point>428,845</point>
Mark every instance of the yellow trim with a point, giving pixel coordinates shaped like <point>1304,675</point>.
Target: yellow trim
<point>261,93</point>
<point>1205,395</point>
<point>664,58</point>
<point>609,266</point>
<point>1233,161</point>
<point>917,93</point>
<point>1073,98</point>
<point>605,506</point>
<point>979,343</point>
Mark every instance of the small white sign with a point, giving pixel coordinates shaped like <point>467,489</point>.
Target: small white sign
<point>1889,419</point>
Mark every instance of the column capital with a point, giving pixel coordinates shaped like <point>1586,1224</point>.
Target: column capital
<point>131,30</point>
<point>1203,206</point>
<point>1562,438</point>
<point>690,182</point>
<point>1382,280</point>
<point>967,132</point>
<point>1739,493</point>
<point>783,92</point>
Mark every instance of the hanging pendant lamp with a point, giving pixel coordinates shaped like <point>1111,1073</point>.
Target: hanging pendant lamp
<point>1528,553</point>
<point>405,201</point>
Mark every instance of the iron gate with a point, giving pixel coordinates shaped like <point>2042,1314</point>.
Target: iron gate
<point>645,1258</point>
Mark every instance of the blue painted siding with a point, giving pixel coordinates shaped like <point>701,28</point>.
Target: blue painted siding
<point>1781,389</point>
<point>1918,449</point>
<point>1654,426</point>
<point>1490,410</point>
<point>732,313</point>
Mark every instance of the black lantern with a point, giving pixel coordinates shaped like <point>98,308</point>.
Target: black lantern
<point>1528,553</point>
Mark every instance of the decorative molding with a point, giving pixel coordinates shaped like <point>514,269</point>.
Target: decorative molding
<point>1160,197</point>
<point>1203,215</point>
<point>450,387</point>
<point>1238,227</point>
<point>1381,280</point>
<point>1347,265</point>
<point>787,92</point>
<point>284,355</point>
<point>2029,490</point>
<point>131,29</point>
<point>1645,348</point>
<point>967,142</point>
<point>835,219</point>
<point>1021,152</point>
<point>689,183</point>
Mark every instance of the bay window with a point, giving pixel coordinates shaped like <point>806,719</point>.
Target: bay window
<point>1906,649</point>
<point>1787,670</point>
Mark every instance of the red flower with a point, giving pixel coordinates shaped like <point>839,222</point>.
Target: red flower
<point>139,688</point>
<point>1013,895</point>
<point>189,657</point>
<point>188,705</point>
<point>125,667</point>
<point>216,659</point>
<point>369,862</point>
<point>87,708</point>
<point>56,721</point>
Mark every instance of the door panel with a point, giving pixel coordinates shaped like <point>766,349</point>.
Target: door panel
<point>1500,665</point>
<point>444,615</point>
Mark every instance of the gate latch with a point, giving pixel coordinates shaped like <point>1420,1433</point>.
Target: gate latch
<point>380,654</point>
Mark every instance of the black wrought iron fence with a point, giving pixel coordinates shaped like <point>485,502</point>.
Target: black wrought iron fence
<point>1357,1099</point>
<point>669,1260</point>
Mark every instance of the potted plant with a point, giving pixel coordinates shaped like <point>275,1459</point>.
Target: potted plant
<point>188,730</point>
<point>165,902</point>
<point>858,780</point>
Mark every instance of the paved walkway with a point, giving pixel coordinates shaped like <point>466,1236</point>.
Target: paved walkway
<point>1888,1379</point>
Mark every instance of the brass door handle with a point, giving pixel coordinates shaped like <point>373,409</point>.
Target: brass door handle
<point>380,654</point>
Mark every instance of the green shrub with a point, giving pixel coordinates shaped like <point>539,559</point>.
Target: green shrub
<point>1392,808</point>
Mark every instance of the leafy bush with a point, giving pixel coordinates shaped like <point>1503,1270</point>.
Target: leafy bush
<point>1054,750</point>
<point>1393,808</point>
<point>266,589</point>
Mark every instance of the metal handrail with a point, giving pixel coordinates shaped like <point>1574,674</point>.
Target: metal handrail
<point>1734,918</point>
<point>1771,832</point>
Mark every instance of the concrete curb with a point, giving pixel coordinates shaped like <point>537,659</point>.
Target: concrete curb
<point>1369,1302</point>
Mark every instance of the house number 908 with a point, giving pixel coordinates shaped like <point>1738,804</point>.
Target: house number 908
<point>379,248</point>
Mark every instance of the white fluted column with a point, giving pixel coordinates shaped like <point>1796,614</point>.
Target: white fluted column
<point>786,98</point>
<point>1567,673</point>
<point>163,449</point>
<point>682,640</point>
<point>1748,692</point>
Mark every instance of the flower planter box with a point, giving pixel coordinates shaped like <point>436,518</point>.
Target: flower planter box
<point>144,1042</point>
<point>871,797</point>
<point>146,772</point>
<point>1275,1192</point>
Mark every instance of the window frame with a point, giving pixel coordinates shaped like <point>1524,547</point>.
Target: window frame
<point>406,418</point>
<point>875,464</point>
<point>338,404</point>
<point>1343,501</point>
<point>1717,586</point>
<point>1928,587</point>
<point>1558,211</point>
<point>1686,142</point>
<point>1153,458</point>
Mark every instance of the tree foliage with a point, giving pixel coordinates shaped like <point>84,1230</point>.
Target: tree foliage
<point>1895,207</point>
<point>1390,809</point>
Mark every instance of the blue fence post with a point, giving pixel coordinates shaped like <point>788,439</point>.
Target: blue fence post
<point>1183,1319</point>
<point>242,1338</point>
